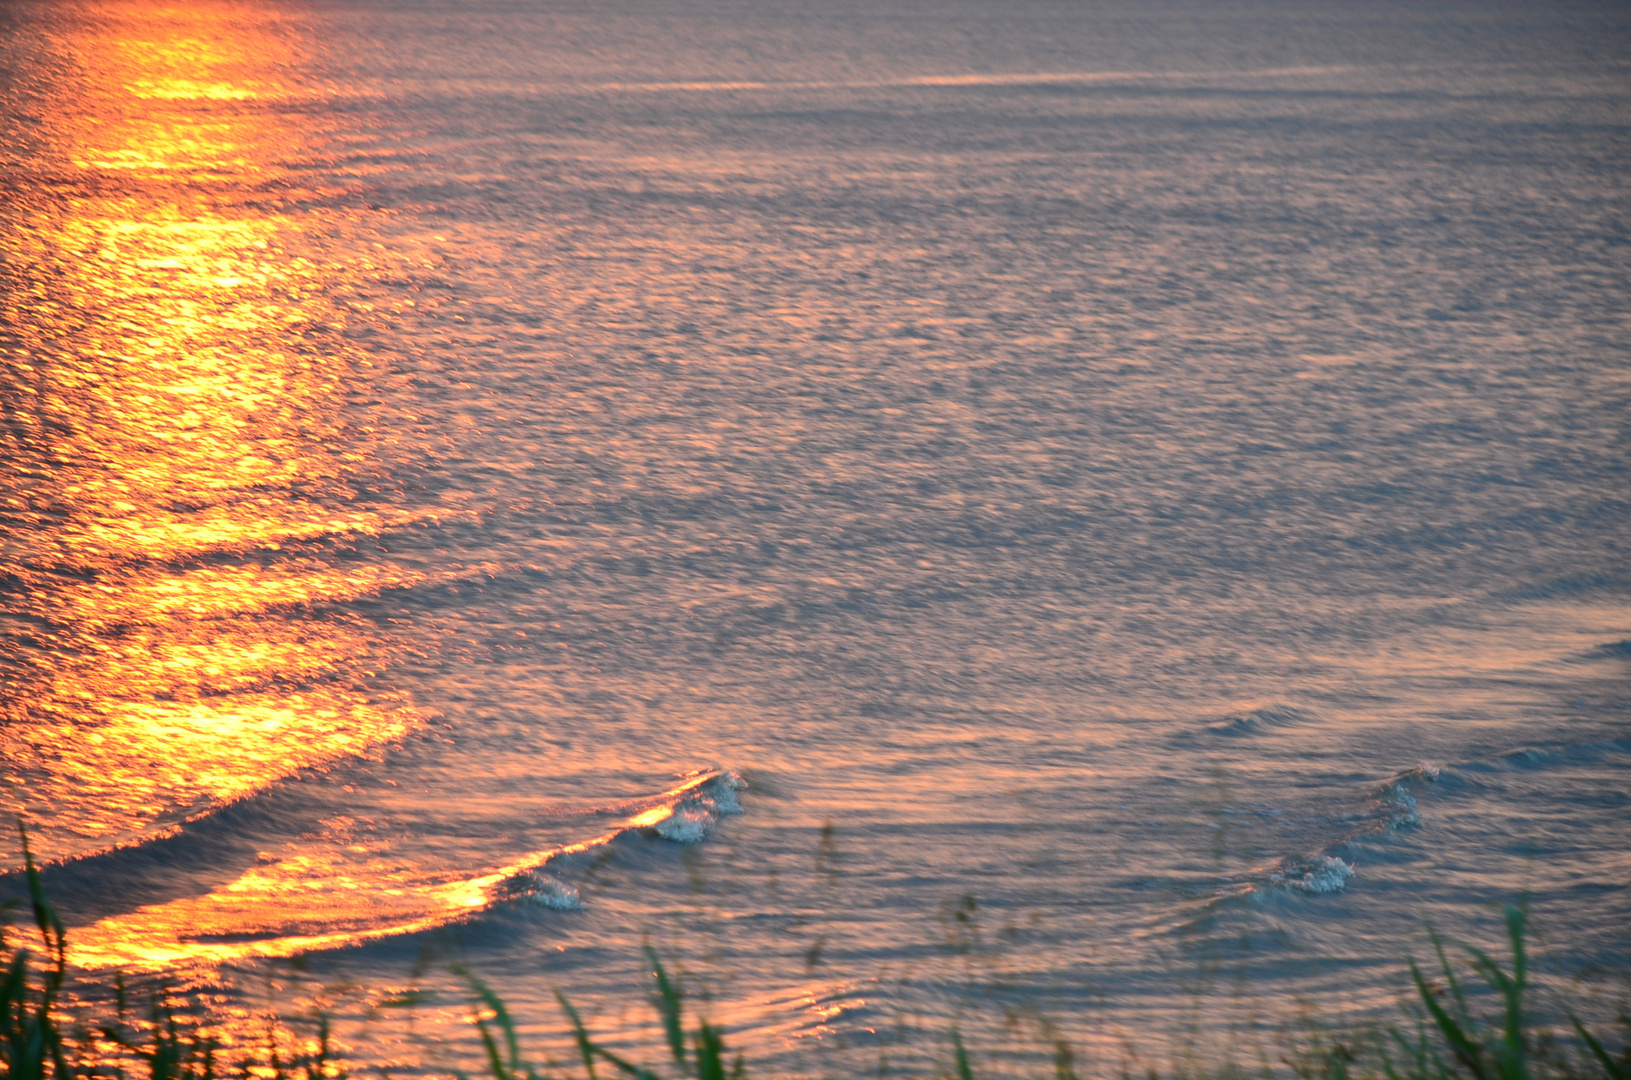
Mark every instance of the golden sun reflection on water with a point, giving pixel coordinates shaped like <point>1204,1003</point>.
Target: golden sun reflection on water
<point>175,396</point>
<point>335,888</point>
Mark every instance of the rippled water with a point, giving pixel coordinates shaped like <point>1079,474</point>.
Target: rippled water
<point>1157,471</point>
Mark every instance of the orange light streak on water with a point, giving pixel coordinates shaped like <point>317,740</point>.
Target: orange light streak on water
<point>178,386</point>
<point>331,894</point>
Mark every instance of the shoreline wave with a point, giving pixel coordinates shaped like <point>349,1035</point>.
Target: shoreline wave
<point>219,926</point>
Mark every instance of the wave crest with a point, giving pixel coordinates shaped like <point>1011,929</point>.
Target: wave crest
<point>310,901</point>
<point>1313,874</point>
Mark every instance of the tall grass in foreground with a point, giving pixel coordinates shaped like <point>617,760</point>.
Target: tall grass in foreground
<point>42,1037</point>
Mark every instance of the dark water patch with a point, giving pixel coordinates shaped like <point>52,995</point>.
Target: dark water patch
<point>185,861</point>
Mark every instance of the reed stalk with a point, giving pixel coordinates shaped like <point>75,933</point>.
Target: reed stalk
<point>41,1038</point>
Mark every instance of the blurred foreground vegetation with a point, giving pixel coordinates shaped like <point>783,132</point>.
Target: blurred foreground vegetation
<point>1443,1038</point>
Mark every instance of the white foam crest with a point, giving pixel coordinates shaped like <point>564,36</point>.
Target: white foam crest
<point>694,816</point>
<point>1402,807</point>
<point>1396,805</point>
<point>686,825</point>
<point>1314,874</point>
<point>545,891</point>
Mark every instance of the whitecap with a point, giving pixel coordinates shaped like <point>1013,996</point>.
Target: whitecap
<point>688,824</point>
<point>1315,874</point>
<point>1396,799</point>
<point>549,892</point>
<point>695,815</point>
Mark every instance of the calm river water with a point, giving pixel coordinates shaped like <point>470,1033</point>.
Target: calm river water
<point>1112,512</point>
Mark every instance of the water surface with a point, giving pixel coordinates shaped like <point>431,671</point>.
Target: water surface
<point>1128,502</point>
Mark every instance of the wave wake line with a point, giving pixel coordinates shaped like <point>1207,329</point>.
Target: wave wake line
<point>309,902</point>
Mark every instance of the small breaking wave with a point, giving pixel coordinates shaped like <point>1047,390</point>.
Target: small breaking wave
<point>1393,806</point>
<point>325,900</point>
<point>691,819</point>
<point>1313,874</point>
<point>546,891</point>
<point>1394,803</point>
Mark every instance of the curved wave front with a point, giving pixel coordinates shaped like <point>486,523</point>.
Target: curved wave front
<point>337,897</point>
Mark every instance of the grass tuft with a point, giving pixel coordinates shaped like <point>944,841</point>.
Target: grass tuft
<point>41,1039</point>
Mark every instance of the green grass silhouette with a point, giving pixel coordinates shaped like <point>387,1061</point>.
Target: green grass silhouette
<point>42,1038</point>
